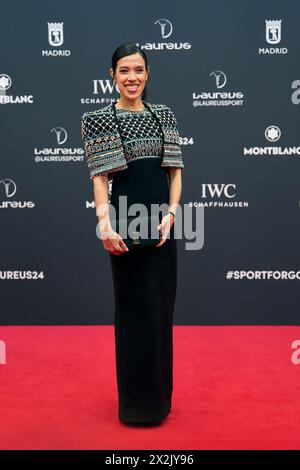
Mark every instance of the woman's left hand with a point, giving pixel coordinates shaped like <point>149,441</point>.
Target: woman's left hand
<point>164,228</point>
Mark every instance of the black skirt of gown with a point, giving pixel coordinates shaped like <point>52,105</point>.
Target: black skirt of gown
<point>145,281</point>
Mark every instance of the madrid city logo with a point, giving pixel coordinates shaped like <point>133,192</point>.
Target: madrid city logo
<point>273,36</point>
<point>8,189</point>
<point>166,30</point>
<point>220,97</point>
<point>5,85</point>
<point>56,39</point>
<point>55,34</point>
<point>273,31</point>
<point>272,134</point>
<point>59,154</point>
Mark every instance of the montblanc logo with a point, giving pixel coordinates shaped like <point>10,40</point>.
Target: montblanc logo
<point>59,154</point>
<point>56,39</point>
<point>295,97</point>
<point>273,36</point>
<point>216,195</point>
<point>5,84</point>
<point>272,134</point>
<point>105,88</point>
<point>218,98</point>
<point>8,189</point>
<point>166,30</point>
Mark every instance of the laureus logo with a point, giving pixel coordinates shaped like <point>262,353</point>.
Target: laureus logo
<point>166,30</point>
<point>220,78</point>
<point>59,154</point>
<point>9,187</point>
<point>61,134</point>
<point>218,98</point>
<point>166,27</point>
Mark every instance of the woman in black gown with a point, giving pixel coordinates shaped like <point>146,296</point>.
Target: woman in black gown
<point>144,279</point>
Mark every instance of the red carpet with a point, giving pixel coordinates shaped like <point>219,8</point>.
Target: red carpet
<point>235,387</point>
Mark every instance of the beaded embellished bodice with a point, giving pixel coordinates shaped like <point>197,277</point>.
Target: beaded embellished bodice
<point>140,133</point>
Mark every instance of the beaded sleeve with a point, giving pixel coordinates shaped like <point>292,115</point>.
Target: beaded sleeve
<point>102,144</point>
<point>173,154</point>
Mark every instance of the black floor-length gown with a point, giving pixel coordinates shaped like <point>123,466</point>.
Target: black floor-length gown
<point>144,281</point>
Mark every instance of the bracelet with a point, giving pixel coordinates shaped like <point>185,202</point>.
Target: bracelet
<point>171,212</point>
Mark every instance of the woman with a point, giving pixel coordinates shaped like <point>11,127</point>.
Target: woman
<point>134,145</point>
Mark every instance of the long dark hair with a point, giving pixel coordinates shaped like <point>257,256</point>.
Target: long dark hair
<point>125,49</point>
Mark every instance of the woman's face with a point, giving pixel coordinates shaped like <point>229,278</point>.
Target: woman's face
<point>131,76</point>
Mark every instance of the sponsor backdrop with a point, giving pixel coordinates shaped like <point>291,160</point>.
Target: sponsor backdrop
<point>230,72</point>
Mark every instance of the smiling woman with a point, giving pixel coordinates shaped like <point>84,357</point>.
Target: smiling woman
<point>136,143</point>
<point>130,74</point>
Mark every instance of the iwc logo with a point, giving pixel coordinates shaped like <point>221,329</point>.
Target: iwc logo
<point>103,91</point>
<point>219,195</point>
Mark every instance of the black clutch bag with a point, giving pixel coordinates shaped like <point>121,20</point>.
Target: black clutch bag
<point>139,231</point>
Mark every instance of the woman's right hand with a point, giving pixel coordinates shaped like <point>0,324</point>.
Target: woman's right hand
<point>113,242</point>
